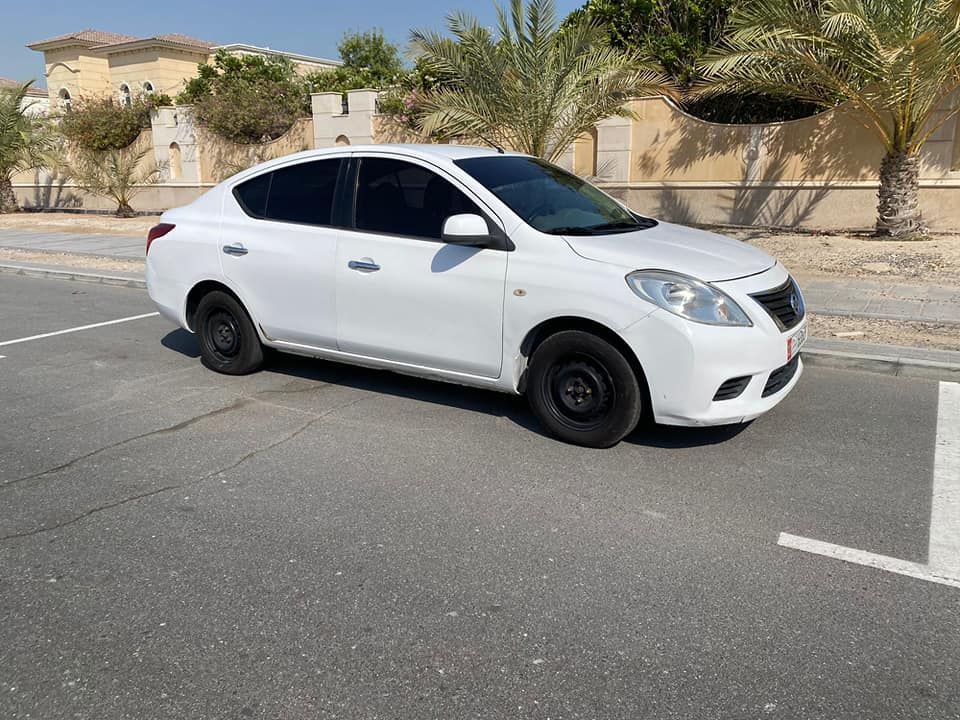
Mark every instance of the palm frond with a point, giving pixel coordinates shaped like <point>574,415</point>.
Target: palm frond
<point>528,86</point>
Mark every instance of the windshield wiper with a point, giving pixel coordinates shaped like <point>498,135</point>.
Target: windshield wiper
<point>571,230</point>
<point>618,225</point>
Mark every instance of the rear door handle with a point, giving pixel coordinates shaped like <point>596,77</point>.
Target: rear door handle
<point>235,249</point>
<point>363,265</point>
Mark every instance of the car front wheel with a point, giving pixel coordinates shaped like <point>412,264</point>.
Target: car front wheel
<point>583,389</point>
<point>228,340</point>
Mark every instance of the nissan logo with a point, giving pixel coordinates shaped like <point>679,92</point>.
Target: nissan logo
<point>795,302</point>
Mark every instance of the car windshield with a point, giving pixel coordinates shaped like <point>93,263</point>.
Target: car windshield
<point>550,199</point>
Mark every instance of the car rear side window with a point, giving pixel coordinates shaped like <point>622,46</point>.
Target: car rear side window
<point>252,195</point>
<point>402,198</point>
<point>301,193</point>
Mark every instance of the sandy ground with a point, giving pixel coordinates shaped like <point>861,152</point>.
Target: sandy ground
<point>888,332</point>
<point>936,260</point>
<point>85,262</point>
<point>78,223</point>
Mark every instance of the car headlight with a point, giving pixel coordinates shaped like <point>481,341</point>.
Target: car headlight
<point>687,297</point>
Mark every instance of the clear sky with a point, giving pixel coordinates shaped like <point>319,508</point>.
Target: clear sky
<point>311,27</point>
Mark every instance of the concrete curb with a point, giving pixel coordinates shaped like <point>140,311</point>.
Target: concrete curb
<point>880,363</point>
<point>71,274</point>
<point>879,316</point>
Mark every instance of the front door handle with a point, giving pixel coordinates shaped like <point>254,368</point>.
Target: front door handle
<point>363,265</point>
<point>235,249</point>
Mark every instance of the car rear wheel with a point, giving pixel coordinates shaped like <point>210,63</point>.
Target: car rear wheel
<point>228,340</point>
<point>583,389</point>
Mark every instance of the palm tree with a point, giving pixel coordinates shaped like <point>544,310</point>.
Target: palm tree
<point>532,86</point>
<point>891,61</point>
<point>23,140</point>
<point>115,174</point>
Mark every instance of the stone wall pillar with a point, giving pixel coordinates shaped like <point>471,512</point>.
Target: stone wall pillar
<point>614,141</point>
<point>332,126</point>
<point>174,134</point>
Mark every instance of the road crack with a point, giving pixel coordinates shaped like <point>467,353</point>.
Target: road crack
<point>302,428</point>
<point>160,431</point>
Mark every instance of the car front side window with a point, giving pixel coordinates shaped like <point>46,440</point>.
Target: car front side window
<point>401,198</point>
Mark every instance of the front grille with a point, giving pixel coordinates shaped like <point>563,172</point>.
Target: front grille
<point>732,388</point>
<point>780,377</point>
<point>784,304</point>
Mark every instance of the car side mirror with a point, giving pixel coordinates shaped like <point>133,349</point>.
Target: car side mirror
<point>466,229</point>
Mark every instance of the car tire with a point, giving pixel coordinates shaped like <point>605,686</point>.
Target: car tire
<point>583,389</point>
<point>229,342</point>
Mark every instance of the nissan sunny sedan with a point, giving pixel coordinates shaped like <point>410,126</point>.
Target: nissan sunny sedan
<point>483,268</point>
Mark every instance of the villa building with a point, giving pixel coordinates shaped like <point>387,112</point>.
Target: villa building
<point>36,101</point>
<point>93,63</point>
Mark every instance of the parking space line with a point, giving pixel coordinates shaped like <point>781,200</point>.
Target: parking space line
<point>943,554</point>
<point>945,508</point>
<point>77,329</point>
<point>862,557</point>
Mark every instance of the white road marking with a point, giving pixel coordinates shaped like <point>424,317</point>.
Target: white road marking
<point>78,329</point>
<point>861,557</point>
<point>943,554</point>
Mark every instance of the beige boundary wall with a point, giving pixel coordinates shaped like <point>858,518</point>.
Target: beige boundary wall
<point>817,173</point>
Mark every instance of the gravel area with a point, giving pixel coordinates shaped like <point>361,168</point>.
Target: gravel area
<point>84,262</point>
<point>887,332</point>
<point>936,260</point>
<point>78,223</point>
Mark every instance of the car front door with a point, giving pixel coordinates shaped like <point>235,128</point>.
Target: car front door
<point>278,248</point>
<point>402,293</point>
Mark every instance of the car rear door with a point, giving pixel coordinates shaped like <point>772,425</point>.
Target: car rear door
<point>402,293</point>
<point>278,248</point>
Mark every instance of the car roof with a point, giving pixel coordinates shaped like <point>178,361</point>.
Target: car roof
<point>424,151</point>
<point>436,153</point>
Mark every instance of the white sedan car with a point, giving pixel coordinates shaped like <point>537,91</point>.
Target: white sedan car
<point>481,268</point>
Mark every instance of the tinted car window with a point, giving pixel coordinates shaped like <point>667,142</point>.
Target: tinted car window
<point>550,199</point>
<point>252,195</point>
<point>303,193</point>
<point>401,198</point>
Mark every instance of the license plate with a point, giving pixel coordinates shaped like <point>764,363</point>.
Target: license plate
<point>795,342</point>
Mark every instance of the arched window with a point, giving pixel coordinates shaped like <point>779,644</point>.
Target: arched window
<point>342,140</point>
<point>64,99</point>
<point>147,87</point>
<point>125,98</point>
<point>176,163</point>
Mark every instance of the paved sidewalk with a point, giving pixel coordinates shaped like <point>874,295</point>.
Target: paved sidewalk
<point>882,300</point>
<point>854,298</point>
<point>116,246</point>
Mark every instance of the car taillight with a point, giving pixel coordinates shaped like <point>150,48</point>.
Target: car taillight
<point>158,231</point>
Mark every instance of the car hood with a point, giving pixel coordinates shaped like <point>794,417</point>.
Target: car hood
<point>703,255</point>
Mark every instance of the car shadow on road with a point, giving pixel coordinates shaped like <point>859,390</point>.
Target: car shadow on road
<point>182,342</point>
<point>511,407</point>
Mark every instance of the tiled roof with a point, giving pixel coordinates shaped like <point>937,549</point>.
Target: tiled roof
<point>185,40</point>
<point>95,37</point>
<point>8,84</point>
<point>103,39</point>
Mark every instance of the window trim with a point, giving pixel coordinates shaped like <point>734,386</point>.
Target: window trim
<point>337,192</point>
<point>499,238</point>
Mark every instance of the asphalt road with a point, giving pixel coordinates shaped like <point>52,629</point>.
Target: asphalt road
<point>318,540</point>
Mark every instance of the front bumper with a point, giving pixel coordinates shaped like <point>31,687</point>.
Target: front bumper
<point>685,363</point>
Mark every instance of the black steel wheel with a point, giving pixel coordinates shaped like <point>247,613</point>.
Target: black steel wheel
<point>228,340</point>
<point>583,390</point>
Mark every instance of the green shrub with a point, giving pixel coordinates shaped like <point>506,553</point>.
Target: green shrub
<point>105,123</point>
<point>369,61</point>
<point>247,98</point>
